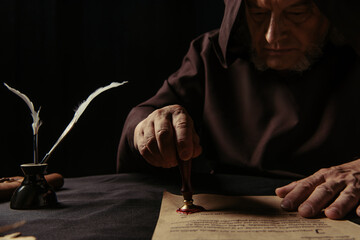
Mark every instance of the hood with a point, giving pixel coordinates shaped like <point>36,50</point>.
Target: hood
<point>232,8</point>
<point>342,14</point>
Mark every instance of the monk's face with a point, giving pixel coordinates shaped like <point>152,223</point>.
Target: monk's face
<point>285,33</point>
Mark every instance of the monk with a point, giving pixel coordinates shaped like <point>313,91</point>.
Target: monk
<point>273,91</point>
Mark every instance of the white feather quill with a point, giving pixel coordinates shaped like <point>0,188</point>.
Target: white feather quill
<point>35,116</point>
<point>80,110</point>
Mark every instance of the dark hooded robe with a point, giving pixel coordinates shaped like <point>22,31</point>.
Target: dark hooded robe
<point>252,121</point>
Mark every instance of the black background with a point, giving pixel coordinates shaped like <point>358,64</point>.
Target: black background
<point>57,52</point>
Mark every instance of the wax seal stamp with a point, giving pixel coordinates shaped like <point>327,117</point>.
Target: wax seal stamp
<point>186,189</point>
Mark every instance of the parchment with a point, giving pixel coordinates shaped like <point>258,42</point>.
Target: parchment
<point>245,218</point>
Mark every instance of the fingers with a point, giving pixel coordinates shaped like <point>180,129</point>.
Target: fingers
<point>166,133</point>
<point>283,191</point>
<point>336,189</point>
<point>320,198</point>
<point>146,143</point>
<point>347,200</point>
<point>187,141</point>
<point>300,191</point>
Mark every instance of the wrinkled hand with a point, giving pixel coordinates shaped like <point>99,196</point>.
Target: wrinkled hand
<point>335,189</point>
<point>164,133</point>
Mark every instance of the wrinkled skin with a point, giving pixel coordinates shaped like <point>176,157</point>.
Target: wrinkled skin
<point>283,32</point>
<point>166,133</point>
<point>335,189</point>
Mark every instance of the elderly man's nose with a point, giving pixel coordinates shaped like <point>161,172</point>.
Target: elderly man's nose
<point>275,30</point>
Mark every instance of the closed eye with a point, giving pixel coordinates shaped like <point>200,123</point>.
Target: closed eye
<point>259,14</point>
<point>298,14</point>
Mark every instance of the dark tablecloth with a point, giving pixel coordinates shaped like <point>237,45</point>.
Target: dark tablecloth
<point>121,206</point>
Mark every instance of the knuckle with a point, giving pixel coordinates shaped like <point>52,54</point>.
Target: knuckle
<point>326,189</point>
<point>323,170</point>
<point>319,176</point>
<point>163,134</point>
<point>306,185</point>
<point>352,191</point>
<point>150,142</point>
<point>143,150</point>
<point>335,173</point>
<point>344,176</point>
<point>181,125</point>
<point>168,110</point>
<point>296,182</point>
<point>354,178</point>
<point>323,174</point>
<point>338,172</point>
<point>139,129</point>
<point>351,196</point>
<point>159,113</point>
<point>177,109</point>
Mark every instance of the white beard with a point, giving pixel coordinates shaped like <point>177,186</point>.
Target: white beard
<point>311,56</point>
